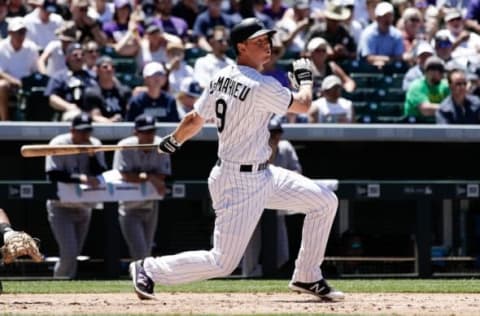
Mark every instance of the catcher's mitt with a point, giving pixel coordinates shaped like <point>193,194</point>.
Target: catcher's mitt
<point>17,244</point>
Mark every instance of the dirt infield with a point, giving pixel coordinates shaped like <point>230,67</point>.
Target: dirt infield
<point>240,303</point>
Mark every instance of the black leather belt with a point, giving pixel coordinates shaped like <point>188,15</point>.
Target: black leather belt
<point>247,168</point>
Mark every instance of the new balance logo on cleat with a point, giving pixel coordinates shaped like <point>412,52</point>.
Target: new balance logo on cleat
<point>142,283</point>
<point>320,289</point>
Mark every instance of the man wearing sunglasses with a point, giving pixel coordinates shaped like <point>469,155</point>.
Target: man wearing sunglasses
<point>18,58</point>
<point>460,107</point>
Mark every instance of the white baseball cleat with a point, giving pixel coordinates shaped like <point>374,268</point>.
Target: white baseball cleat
<point>319,288</point>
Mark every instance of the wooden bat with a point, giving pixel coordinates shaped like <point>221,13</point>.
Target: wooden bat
<point>56,150</point>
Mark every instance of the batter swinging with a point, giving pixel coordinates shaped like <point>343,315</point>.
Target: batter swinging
<point>242,183</point>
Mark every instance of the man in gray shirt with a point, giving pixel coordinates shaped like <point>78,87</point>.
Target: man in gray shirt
<point>70,221</point>
<point>138,219</point>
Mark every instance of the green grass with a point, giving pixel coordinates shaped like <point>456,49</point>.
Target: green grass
<point>251,286</point>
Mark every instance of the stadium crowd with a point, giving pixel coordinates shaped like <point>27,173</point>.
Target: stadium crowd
<point>405,61</point>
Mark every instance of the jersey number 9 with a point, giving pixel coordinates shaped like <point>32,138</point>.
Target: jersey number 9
<point>220,111</point>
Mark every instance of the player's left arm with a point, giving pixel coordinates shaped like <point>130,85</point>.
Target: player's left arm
<point>189,126</point>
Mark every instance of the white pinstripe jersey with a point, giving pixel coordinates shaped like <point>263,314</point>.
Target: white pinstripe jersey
<point>242,100</point>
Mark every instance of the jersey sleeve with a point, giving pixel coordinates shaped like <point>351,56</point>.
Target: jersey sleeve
<point>271,96</point>
<point>204,105</point>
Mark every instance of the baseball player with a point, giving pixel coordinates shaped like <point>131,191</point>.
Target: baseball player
<point>70,221</point>
<point>242,183</point>
<point>138,219</point>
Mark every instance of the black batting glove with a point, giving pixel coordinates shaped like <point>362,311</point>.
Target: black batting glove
<point>169,145</point>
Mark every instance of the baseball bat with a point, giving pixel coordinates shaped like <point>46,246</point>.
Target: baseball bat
<point>57,150</point>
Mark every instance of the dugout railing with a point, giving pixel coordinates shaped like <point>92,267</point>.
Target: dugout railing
<point>421,193</point>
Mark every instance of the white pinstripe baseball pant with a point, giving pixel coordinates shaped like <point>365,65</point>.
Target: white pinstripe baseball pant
<point>239,199</point>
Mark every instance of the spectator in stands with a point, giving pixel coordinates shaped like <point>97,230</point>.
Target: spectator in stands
<point>275,9</point>
<point>105,10</point>
<point>351,24</point>
<point>116,28</point>
<point>337,36</point>
<point>66,88</point>
<point>52,59</point>
<point>171,24</point>
<point>138,219</point>
<point>3,20</point>
<point>154,101</point>
<point>107,101</point>
<point>18,58</point>
<point>331,107</point>
<point>205,67</point>
<point>425,94</point>
<point>472,21</point>
<point>443,45</point>
<point>190,90</point>
<point>460,107</point>
<point>177,68</point>
<point>293,28</point>
<point>381,42</point>
<point>188,10</point>
<point>466,45</point>
<point>70,221</point>
<point>153,47</point>
<point>318,50</point>
<point>42,23</point>
<point>422,52</point>
<point>207,20</point>
<point>16,8</point>
<point>412,28</point>
<point>88,26</point>
<point>91,52</point>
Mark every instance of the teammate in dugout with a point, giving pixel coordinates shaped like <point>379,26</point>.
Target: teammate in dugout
<point>242,183</point>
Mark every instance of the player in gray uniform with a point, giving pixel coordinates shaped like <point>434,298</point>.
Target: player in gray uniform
<point>70,221</point>
<point>242,183</point>
<point>138,219</point>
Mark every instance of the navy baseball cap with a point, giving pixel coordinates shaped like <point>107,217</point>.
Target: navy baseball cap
<point>191,87</point>
<point>82,122</point>
<point>145,122</point>
<point>247,29</point>
<point>50,6</point>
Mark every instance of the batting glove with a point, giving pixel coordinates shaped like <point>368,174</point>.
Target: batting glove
<point>302,73</point>
<point>169,145</point>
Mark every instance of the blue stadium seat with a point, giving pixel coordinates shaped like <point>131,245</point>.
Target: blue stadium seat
<point>33,104</point>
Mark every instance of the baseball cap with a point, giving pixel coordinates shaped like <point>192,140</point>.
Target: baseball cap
<point>331,81</point>
<point>249,28</point>
<point>453,14</point>
<point>16,24</point>
<point>73,47</point>
<point>104,59</point>
<point>175,45</point>
<point>82,122</point>
<point>153,27</point>
<point>191,87</point>
<point>80,3</point>
<point>145,122</point>
<point>121,3</point>
<point>315,43</point>
<point>424,47</point>
<point>383,8</point>
<point>275,124</point>
<point>301,4</point>
<point>50,6</point>
<point>434,63</point>
<point>153,68</point>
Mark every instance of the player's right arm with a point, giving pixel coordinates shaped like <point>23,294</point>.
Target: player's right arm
<point>301,78</point>
<point>189,126</point>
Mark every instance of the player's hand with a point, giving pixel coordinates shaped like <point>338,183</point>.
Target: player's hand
<point>19,244</point>
<point>302,73</point>
<point>168,145</point>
